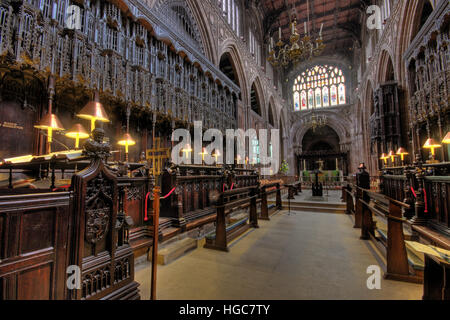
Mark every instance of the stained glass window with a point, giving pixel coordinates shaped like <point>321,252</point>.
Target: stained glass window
<point>320,86</point>
<point>297,101</point>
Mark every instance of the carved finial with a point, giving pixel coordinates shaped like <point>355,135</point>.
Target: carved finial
<point>95,147</point>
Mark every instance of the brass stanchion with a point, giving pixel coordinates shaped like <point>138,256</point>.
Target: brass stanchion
<point>156,198</point>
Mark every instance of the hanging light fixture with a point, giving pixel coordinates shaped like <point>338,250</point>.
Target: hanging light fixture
<point>77,132</point>
<point>93,111</point>
<point>316,121</point>
<point>298,49</point>
<point>50,123</point>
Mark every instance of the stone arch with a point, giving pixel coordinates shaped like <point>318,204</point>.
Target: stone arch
<point>204,27</point>
<point>386,71</point>
<point>187,26</point>
<point>299,130</point>
<point>271,113</point>
<point>231,49</point>
<point>409,23</point>
<point>256,90</point>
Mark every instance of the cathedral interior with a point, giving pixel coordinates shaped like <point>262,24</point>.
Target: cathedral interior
<point>341,187</point>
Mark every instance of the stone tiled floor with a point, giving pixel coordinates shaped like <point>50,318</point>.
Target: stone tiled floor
<point>297,256</point>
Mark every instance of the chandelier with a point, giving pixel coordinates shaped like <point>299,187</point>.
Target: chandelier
<point>298,49</point>
<point>316,121</point>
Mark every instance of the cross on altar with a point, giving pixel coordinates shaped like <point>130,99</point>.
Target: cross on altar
<point>157,155</point>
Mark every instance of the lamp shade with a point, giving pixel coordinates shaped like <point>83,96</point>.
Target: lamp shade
<point>402,152</point>
<point>446,139</point>
<point>77,131</point>
<point>50,121</point>
<point>93,111</point>
<point>384,156</point>
<point>127,140</point>
<point>431,144</point>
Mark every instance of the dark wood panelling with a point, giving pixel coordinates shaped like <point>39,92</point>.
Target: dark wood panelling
<point>38,226</point>
<point>16,124</point>
<point>35,283</point>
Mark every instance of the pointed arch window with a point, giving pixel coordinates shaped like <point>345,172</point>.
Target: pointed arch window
<point>319,87</point>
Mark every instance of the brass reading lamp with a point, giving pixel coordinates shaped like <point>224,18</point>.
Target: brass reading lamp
<point>187,151</point>
<point>392,155</point>
<point>77,132</point>
<point>93,111</point>
<point>50,123</point>
<point>446,139</point>
<point>127,141</point>
<point>402,152</point>
<point>203,154</point>
<point>384,157</point>
<point>432,145</point>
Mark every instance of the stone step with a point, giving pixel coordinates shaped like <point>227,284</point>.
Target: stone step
<point>313,204</point>
<point>312,208</point>
<point>175,250</point>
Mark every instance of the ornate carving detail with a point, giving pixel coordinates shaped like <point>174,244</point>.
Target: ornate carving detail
<point>98,209</point>
<point>97,221</point>
<point>134,193</point>
<point>96,148</point>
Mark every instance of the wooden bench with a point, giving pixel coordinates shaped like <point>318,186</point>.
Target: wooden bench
<point>229,202</point>
<point>393,243</point>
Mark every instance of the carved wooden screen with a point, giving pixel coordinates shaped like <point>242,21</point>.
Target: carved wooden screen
<point>106,261</point>
<point>385,122</point>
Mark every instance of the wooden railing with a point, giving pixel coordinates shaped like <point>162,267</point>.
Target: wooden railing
<point>266,190</point>
<point>367,204</point>
<point>229,202</point>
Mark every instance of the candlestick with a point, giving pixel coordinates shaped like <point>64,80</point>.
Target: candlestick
<point>306,31</point>
<point>321,28</point>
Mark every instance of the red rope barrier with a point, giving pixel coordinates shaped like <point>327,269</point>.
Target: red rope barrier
<point>61,188</point>
<point>168,195</point>
<point>424,197</point>
<point>146,206</point>
<point>426,200</point>
<point>414,193</point>
<point>146,201</point>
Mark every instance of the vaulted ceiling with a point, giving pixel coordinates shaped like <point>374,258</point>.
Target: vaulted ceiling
<point>341,20</point>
